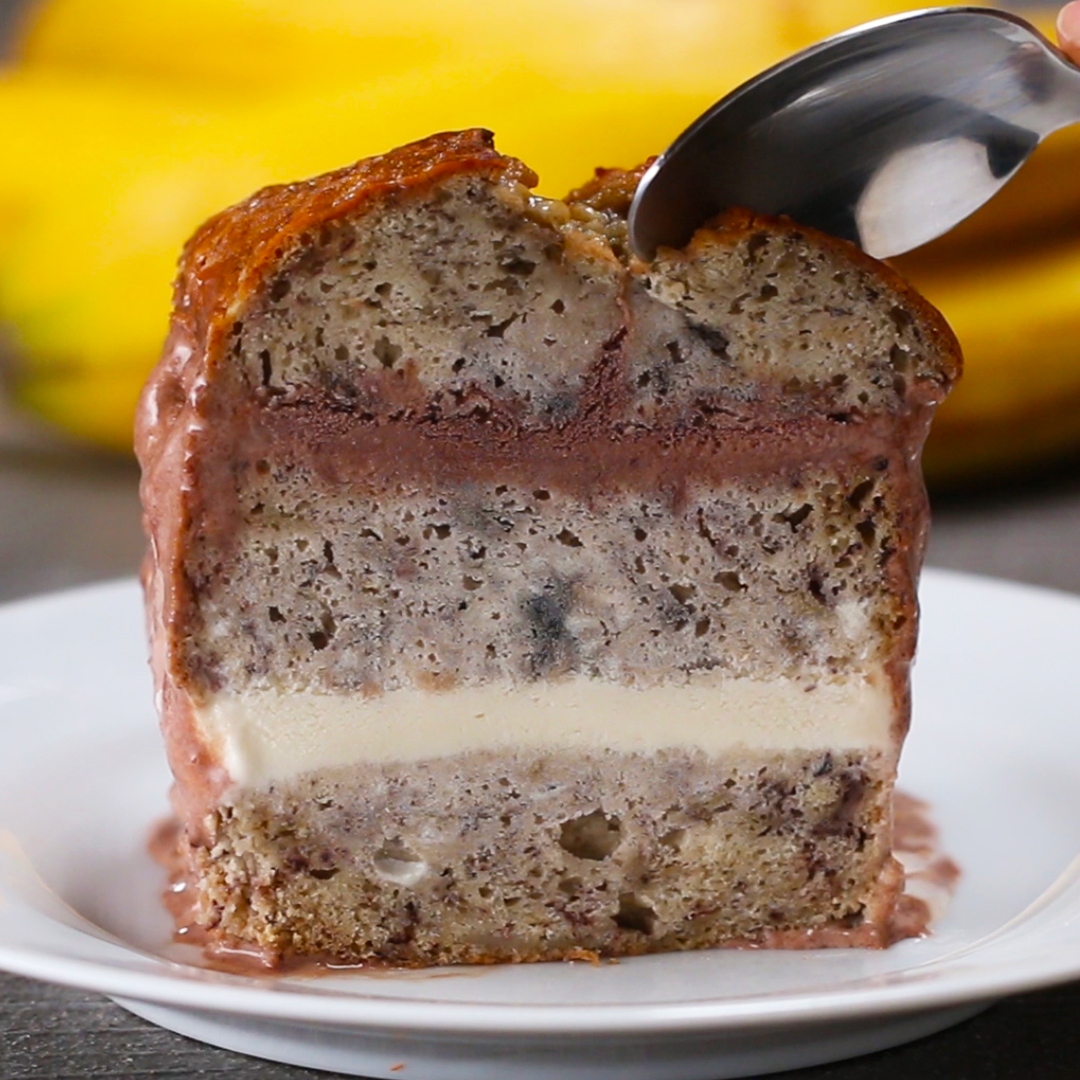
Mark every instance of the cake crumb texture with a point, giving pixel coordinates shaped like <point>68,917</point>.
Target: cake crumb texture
<point>483,858</point>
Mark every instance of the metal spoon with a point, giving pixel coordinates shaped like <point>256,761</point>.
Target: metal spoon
<point>888,135</point>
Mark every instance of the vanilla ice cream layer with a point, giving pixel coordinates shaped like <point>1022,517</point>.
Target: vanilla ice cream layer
<point>263,736</point>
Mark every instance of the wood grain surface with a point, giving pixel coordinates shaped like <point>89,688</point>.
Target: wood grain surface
<point>49,1033</point>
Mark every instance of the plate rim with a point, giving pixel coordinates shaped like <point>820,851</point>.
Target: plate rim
<point>253,997</point>
<point>433,1016</point>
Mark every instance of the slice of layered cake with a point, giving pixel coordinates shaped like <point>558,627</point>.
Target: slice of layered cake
<point>512,599</point>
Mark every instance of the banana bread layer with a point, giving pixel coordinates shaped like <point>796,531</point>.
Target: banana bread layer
<point>491,857</point>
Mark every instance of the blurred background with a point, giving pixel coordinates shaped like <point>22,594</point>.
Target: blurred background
<point>125,124</point>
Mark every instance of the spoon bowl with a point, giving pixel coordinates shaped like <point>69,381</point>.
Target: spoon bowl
<point>887,135</point>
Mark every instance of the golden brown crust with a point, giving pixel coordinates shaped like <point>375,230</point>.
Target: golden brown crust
<point>610,189</point>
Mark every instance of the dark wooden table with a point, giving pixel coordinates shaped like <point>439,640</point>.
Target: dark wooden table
<point>48,1033</point>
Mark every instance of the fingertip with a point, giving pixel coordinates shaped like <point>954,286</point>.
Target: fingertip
<point>1068,28</point>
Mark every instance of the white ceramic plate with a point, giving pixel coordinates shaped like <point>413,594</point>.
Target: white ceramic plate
<point>995,748</point>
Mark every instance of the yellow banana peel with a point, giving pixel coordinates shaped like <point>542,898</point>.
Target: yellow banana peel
<point>252,46</point>
<point>128,124</point>
<point>89,224</point>
<point>255,47</point>
<point>1040,296</point>
<point>1018,319</point>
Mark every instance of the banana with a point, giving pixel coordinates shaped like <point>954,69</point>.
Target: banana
<point>89,221</point>
<point>1018,319</point>
<point>160,114</point>
<point>257,46</point>
<point>235,47</point>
